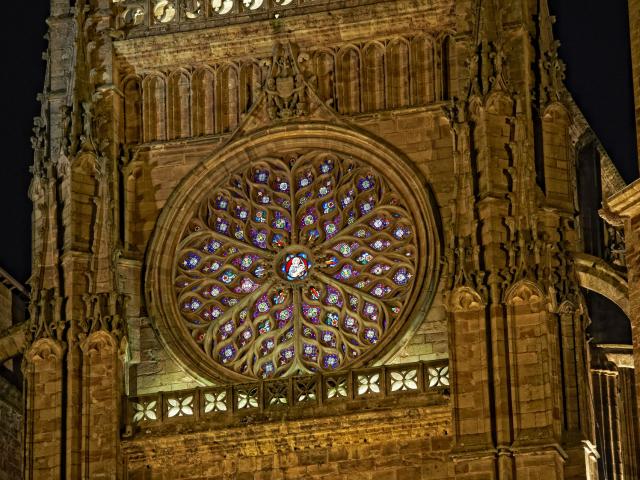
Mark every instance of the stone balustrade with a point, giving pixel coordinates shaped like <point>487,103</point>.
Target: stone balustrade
<point>223,404</point>
<point>162,15</point>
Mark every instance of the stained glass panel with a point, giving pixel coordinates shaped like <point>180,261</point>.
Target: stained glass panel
<point>297,264</point>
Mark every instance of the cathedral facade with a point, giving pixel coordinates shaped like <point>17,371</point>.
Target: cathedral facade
<point>355,239</point>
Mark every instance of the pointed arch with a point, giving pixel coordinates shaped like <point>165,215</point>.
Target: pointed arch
<point>202,101</point>
<point>154,108</point>
<point>132,200</point>
<point>373,88</point>
<point>132,90</point>
<point>250,80</point>
<point>463,299</point>
<point>447,67</point>
<point>179,104</point>
<point>524,292</point>
<point>423,71</point>
<point>398,74</point>
<point>226,98</point>
<point>349,80</point>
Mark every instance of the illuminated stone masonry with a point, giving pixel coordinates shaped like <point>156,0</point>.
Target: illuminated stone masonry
<point>280,239</point>
<point>159,15</point>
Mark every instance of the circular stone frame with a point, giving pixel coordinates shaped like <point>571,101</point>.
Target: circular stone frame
<point>399,172</point>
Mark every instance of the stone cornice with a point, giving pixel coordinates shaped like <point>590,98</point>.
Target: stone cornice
<point>626,202</point>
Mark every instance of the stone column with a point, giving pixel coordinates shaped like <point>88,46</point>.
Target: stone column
<point>44,440</point>
<point>101,406</point>
<point>621,357</point>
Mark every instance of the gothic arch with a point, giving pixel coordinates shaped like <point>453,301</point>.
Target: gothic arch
<point>463,299</point>
<point>226,98</point>
<point>499,103</point>
<point>45,350</point>
<point>398,60</point>
<point>324,62</point>
<point>373,77</point>
<point>446,64</point>
<point>250,80</point>
<point>349,80</point>
<point>179,104</point>
<point>423,71</point>
<point>132,89</point>
<point>99,343</point>
<point>202,101</point>
<point>524,292</point>
<point>154,117</point>
<point>236,157</point>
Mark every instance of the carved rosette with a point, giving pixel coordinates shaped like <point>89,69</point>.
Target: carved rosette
<point>303,259</point>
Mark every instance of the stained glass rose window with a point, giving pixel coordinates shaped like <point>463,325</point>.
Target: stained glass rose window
<point>296,264</point>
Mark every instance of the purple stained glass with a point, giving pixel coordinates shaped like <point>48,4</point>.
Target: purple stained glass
<point>212,246</point>
<point>259,238</point>
<point>245,262</point>
<point>331,361</point>
<point>281,251</point>
<point>366,183</point>
<point>380,290</point>
<point>347,272</point>
<point>380,245</point>
<point>401,232</point>
<point>350,324</point>
<point>222,225</point>
<point>262,306</point>
<point>241,213</point>
<point>261,176</point>
<point>193,304</point>
<point>227,354</point>
<point>281,222</point>
<point>226,330</point>
<point>328,338</point>
<point>246,286</point>
<point>401,277</point>
<point>286,355</point>
<point>332,319</point>
<point>191,261</point>
<point>311,312</point>
<point>370,311</point>
<point>310,351</point>
<point>347,199</point>
<point>308,333</point>
<point>367,206</point>
<point>333,297</point>
<point>222,203</point>
<point>370,335</point>
<point>379,223</point>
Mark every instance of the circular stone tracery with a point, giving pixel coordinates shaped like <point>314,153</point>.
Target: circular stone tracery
<point>296,264</point>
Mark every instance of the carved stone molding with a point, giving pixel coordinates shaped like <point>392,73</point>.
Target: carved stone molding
<point>463,299</point>
<point>525,292</point>
<point>45,350</point>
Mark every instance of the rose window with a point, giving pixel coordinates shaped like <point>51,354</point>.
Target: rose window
<point>296,264</point>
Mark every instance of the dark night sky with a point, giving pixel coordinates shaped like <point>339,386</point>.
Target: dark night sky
<point>594,36</point>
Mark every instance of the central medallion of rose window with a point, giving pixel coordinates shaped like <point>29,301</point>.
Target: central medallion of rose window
<point>297,264</point>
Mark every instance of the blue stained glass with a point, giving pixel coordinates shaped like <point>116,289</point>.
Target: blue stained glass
<point>191,261</point>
